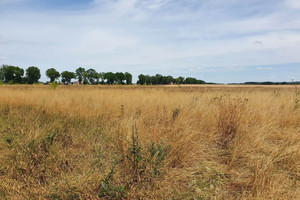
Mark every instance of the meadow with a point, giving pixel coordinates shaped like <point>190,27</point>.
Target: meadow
<point>149,142</point>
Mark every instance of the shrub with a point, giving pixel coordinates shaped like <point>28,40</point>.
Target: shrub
<point>53,85</point>
<point>108,189</point>
<point>11,82</point>
<point>145,162</point>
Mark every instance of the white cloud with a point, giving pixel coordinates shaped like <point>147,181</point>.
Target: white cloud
<point>156,4</point>
<point>293,4</point>
<point>264,68</point>
<point>234,68</point>
<point>119,8</point>
<point>257,42</point>
<point>10,2</point>
<point>99,41</point>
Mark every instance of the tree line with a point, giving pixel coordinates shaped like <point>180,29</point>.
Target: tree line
<point>272,83</point>
<point>91,76</point>
<point>16,75</point>
<point>159,79</point>
<point>12,74</point>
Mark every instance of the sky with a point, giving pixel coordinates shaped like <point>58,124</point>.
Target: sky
<point>223,41</point>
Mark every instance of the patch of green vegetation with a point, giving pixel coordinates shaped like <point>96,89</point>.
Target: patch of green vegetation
<point>158,153</point>
<point>9,140</point>
<point>53,85</point>
<point>2,195</point>
<point>146,161</point>
<point>109,189</point>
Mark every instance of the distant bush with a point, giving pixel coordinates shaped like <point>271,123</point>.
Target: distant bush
<point>53,85</point>
<point>11,82</point>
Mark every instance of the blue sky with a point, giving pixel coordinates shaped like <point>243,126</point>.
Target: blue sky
<point>218,41</point>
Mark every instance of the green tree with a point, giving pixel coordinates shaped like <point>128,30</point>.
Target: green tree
<point>101,77</point>
<point>128,78</point>
<point>110,77</point>
<point>180,80</point>
<point>170,79</point>
<point>85,78</point>
<point>52,74</point>
<point>120,78</point>
<point>201,82</point>
<point>159,78</point>
<point>1,73</point>
<point>147,80</point>
<point>19,72</point>
<point>154,80</point>
<point>97,77</point>
<point>92,76</point>
<point>33,74</point>
<point>8,73</point>
<point>11,74</point>
<point>190,80</point>
<point>79,73</point>
<point>165,80</point>
<point>142,79</point>
<point>67,76</point>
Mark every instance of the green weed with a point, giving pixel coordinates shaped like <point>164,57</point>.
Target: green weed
<point>53,85</point>
<point>108,189</point>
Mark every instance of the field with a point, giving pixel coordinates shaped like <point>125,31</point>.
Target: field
<point>149,142</point>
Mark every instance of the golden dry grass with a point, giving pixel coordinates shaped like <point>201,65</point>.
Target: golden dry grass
<point>134,142</point>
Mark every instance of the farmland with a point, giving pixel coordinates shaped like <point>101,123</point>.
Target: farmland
<point>149,142</point>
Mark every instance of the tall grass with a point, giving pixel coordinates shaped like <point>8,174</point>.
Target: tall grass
<point>133,142</point>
